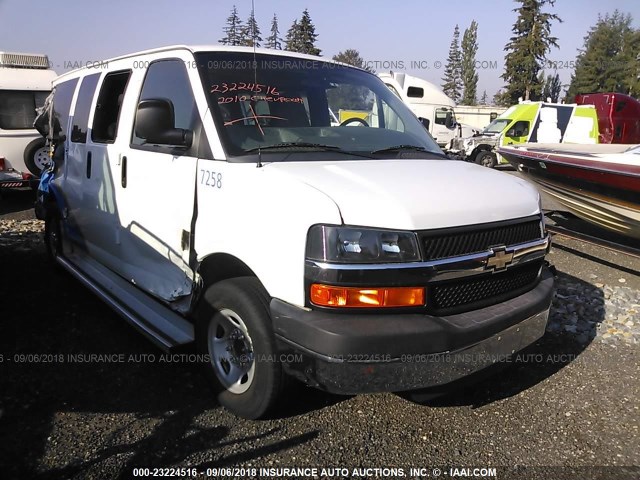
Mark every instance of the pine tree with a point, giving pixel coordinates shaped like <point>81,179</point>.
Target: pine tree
<point>302,36</point>
<point>484,99</point>
<point>608,61</point>
<point>552,88</point>
<point>468,64</point>
<point>274,41</point>
<point>233,31</point>
<point>527,49</point>
<point>308,35</point>
<point>292,40</point>
<point>251,32</point>
<point>452,71</point>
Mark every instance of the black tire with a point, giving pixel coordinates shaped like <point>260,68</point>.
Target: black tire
<point>486,159</point>
<point>36,157</point>
<point>234,329</point>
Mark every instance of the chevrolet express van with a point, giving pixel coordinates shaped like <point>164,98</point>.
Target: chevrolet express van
<point>207,196</point>
<point>530,122</point>
<point>25,81</point>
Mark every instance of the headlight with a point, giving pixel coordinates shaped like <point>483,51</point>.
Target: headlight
<point>327,243</point>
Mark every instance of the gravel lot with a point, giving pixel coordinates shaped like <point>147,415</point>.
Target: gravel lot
<point>567,407</point>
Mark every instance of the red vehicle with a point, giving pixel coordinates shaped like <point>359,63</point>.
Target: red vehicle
<point>618,116</point>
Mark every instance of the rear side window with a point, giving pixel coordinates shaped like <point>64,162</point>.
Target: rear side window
<point>18,108</point>
<point>415,92</point>
<point>83,107</point>
<point>61,106</point>
<point>107,114</point>
<point>168,79</point>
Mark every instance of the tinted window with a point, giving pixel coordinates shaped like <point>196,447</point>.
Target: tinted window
<point>168,80</point>
<point>18,108</point>
<point>83,107</point>
<point>108,106</point>
<point>62,105</point>
<point>415,92</point>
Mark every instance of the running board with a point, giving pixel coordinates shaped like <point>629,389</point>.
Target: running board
<point>161,325</point>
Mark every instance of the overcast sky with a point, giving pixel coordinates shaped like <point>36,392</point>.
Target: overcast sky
<point>414,34</point>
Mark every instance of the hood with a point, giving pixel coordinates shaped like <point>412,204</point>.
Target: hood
<point>415,194</point>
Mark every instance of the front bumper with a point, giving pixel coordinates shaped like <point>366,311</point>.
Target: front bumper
<point>360,353</point>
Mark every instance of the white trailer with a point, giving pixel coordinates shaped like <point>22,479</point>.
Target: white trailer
<point>25,82</point>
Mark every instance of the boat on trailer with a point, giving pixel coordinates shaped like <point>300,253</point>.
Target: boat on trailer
<point>599,183</point>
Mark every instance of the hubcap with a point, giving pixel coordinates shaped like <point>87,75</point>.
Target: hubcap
<point>231,351</point>
<point>41,159</point>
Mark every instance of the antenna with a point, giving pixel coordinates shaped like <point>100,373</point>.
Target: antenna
<point>255,78</point>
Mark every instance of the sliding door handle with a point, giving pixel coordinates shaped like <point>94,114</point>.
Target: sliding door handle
<point>123,173</point>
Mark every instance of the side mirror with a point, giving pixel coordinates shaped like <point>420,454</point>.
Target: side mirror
<point>449,121</point>
<point>425,122</point>
<point>155,123</point>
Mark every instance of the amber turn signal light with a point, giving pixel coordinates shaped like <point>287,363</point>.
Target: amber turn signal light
<point>376,297</point>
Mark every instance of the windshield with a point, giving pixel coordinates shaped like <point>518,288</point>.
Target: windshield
<point>299,106</point>
<point>497,126</point>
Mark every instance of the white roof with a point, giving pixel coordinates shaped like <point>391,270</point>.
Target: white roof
<point>432,93</point>
<point>26,79</point>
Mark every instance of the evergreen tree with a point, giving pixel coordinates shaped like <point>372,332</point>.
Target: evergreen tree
<point>234,30</point>
<point>302,36</point>
<point>608,61</point>
<point>552,88</point>
<point>292,40</point>
<point>468,64</point>
<point>452,71</point>
<point>484,99</point>
<point>352,57</point>
<point>251,32</point>
<point>273,40</point>
<point>527,49</point>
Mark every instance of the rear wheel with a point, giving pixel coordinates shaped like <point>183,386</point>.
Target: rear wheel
<point>234,330</point>
<point>36,157</point>
<point>486,159</point>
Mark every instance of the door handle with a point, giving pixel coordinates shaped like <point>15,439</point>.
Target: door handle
<point>88,164</point>
<point>123,173</point>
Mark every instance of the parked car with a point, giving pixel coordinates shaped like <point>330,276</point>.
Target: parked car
<point>207,196</point>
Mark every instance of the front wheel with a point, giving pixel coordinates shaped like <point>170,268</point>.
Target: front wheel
<point>486,159</point>
<point>234,331</point>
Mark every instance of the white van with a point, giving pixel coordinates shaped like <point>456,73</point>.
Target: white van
<point>204,194</point>
<point>25,82</point>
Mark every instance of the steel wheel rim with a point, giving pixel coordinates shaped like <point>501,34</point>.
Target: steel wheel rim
<point>41,158</point>
<point>231,351</point>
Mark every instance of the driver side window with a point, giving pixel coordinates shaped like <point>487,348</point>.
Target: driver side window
<point>168,79</point>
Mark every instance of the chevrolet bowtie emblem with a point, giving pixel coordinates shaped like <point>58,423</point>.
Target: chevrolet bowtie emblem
<point>499,260</point>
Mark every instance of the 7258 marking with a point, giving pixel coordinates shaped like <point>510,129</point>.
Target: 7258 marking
<point>211,179</point>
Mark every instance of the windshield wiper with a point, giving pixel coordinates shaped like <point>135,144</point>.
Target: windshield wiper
<point>305,145</point>
<point>397,148</point>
